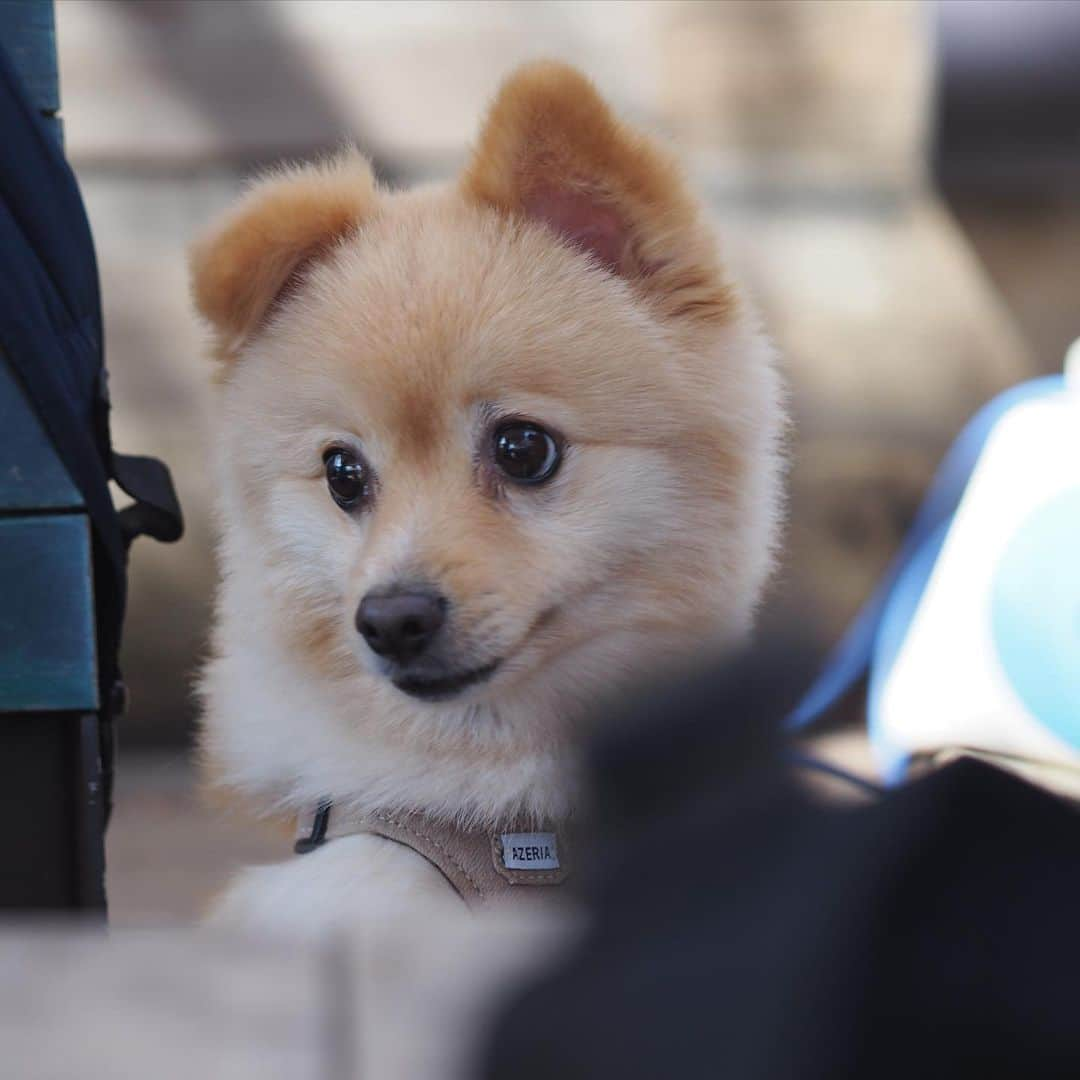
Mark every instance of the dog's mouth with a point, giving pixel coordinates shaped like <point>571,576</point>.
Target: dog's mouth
<point>442,687</point>
<point>436,684</point>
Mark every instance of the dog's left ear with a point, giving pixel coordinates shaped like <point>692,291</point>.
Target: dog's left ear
<point>552,152</point>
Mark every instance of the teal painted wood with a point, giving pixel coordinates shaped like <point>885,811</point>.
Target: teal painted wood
<point>48,657</point>
<point>32,476</point>
<point>28,36</point>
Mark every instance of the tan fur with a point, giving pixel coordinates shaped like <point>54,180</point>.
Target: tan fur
<point>569,277</point>
<point>549,130</point>
<point>287,218</point>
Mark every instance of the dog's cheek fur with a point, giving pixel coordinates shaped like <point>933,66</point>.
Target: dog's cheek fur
<point>287,548</point>
<point>517,568</point>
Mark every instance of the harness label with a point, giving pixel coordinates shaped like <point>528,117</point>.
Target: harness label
<point>530,851</point>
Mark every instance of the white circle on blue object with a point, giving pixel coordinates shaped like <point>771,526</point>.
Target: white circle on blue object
<point>1035,614</point>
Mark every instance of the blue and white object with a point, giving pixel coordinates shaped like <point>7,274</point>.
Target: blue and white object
<point>973,641</point>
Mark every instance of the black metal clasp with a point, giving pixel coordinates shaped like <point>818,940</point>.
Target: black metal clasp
<point>306,844</point>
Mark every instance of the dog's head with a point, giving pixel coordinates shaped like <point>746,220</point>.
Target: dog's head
<point>509,439</point>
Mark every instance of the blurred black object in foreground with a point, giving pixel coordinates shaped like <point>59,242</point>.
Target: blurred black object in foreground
<point>740,928</point>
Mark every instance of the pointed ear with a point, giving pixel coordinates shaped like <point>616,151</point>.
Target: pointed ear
<point>551,151</point>
<point>256,253</point>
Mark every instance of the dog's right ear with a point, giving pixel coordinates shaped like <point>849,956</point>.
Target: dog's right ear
<point>553,153</point>
<point>256,253</point>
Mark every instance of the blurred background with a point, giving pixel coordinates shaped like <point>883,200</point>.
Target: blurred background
<point>898,182</point>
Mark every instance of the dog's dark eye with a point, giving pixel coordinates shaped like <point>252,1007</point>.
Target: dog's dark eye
<point>526,452</point>
<point>346,477</point>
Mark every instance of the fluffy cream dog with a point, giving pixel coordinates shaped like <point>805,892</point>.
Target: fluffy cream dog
<point>488,450</point>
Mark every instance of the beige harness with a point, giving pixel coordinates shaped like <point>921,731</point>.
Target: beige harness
<point>480,864</point>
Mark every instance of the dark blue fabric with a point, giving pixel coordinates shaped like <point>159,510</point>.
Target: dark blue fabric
<point>50,321</point>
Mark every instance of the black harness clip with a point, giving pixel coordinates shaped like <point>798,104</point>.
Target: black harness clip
<point>307,844</point>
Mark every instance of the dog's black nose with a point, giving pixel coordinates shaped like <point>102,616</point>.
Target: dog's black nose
<point>400,624</point>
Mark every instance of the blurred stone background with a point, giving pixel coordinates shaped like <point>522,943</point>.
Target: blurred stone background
<point>887,176</point>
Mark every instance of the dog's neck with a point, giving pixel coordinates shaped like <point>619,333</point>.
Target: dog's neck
<point>287,740</point>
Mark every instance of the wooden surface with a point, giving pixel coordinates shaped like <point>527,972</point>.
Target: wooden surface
<point>409,999</point>
<point>47,649</point>
<point>169,852</point>
<point>83,1006</point>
